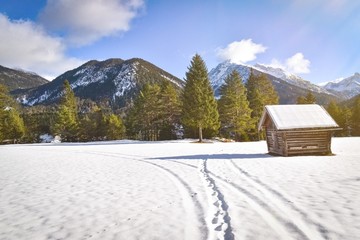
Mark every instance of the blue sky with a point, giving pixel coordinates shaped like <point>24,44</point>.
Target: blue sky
<point>315,39</point>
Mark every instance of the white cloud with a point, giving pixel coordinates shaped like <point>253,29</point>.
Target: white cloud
<point>298,64</point>
<point>25,45</point>
<point>241,52</point>
<point>85,21</point>
<point>277,64</point>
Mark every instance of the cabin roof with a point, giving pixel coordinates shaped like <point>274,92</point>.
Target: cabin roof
<point>298,116</point>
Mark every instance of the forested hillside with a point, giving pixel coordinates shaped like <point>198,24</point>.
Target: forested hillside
<point>117,99</point>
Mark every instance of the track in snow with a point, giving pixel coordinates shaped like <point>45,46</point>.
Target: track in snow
<point>288,220</point>
<point>192,207</point>
<point>219,220</point>
<point>281,214</point>
<point>311,228</point>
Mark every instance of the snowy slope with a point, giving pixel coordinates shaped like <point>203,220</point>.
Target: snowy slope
<point>290,78</point>
<point>218,74</point>
<point>350,86</point>
<point>177,190</point>
<point>113,79</point>
<point>288,86</point>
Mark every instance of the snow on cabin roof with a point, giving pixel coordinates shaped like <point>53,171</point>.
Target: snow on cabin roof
<point>298,116</point>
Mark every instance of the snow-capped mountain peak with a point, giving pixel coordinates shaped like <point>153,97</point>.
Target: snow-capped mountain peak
<point>349,86</point>
<point>275,71</point>
<point>289,77</point>
<point>113,79</point>
<point>218,75</point>
<point>288,86</point>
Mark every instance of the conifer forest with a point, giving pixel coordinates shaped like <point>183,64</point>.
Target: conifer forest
<point>162,112</point>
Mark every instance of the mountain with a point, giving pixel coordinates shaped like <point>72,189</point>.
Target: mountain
<point>349,87</point>
<point>290,78</point>
<point>288,86</point>
<point>113,80</point>
<point>18,79</point>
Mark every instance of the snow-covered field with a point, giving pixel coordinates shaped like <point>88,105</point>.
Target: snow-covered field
<point>177,190</point>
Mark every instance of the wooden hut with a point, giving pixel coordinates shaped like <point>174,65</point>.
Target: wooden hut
<point>303,129</point>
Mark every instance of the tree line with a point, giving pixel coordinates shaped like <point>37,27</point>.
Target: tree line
<point>162,112</point>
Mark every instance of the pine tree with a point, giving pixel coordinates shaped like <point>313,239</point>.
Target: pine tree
<point>199,108</point>
<point>92,125</point>
<point>308,99</point>
<point>11,124</point>
<point>355,118</point>
<point>235,114</point>
<point>38,120</point>
<point>346,121</point>
<point>336,113</point>
<point>144,117</point>
<point>114,127</point>
<point>170,111</point>
<point>66,125</point>
<point>260,92</point>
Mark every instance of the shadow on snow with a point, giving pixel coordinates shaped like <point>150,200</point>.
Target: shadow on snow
<point>215,156</point>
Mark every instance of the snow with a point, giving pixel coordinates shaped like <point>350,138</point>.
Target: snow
<point>172,80</point>
<point>218,75</point>
<point>290,78</point>
<point>350,86</point>
<point>177,190</point>
<point>39,99</point>
<point>125,80</point>
<point>335,81</point>
<point>299,116</point>
<point>46,138</point>
<point>23,100</point>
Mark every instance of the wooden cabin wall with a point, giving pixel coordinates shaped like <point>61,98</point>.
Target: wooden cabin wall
<point>308,142</point>
<point>275,141</point>
<point>305,142</point>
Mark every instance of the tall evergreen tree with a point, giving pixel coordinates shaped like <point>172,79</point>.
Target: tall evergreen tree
<point>355,118</point>
<point>92,125</point>
<point>346,121</point>
<point>199,108</point>
<point>38,120</point>
<point>170,110</point>
<point>235,114</point>
<point>260,92</point>
<point>66,124</point>
<point>308,99</point>
<point>115,127</point>
<point>336,113</point>
<point>144,118</point>
<point>11,124</point>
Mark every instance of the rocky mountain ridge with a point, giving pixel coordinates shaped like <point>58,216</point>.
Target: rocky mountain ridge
<point>288,86</point>
<point>19,79</point>
<point>349,87</point>
<point>114,80</point>
<point>118,81</point>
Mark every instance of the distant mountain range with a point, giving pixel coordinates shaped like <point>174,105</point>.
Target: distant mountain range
<point>18,79</point>
<point>288,86</point>
<point>114,80</point>
<point>118,81</point>
<point>348,87</point>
